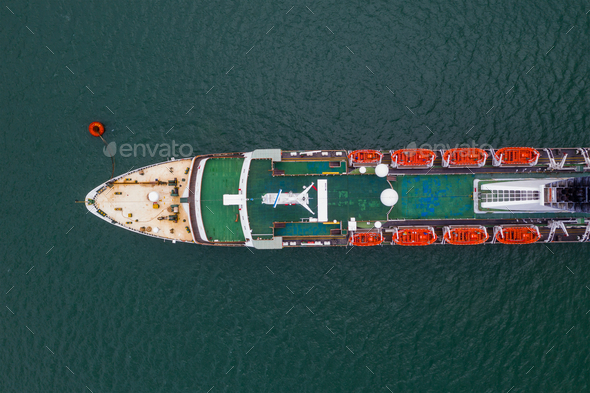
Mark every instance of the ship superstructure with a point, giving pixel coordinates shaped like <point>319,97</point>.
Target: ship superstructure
<point>270,199</point>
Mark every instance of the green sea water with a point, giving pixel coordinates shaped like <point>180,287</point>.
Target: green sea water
<point>88,307</point>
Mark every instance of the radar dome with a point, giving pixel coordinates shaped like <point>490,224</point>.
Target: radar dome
<point>381,170</point>
<point>153,196</point>
<point>389,197</point>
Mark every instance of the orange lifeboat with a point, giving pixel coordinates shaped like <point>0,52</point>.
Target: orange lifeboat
<point>366,239</point>
<point>414,236</point>
<point>517,234</point>
<point>516,156</point>
<point>465,157</point>
<point>365,157</point>
<point>412,158</point>
<point>463,236</point>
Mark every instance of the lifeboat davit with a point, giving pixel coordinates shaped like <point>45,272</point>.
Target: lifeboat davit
<point>464,157</point>
<point>516,156</point>
<point>414,236</point>
<point>365,157</point>
<point>517,234</point>
<point>412,158</point>
<point>366,239</point>
<point>464,235</point>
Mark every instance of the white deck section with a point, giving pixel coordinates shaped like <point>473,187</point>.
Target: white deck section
<point>322,200</point>
<point>514,195</point>
<point>275,243</point>
<point>244,206</point>
<point>232,200</point>
<point>197,204</point>
<point>186,193</point>
<point>273,154</point>
<point>123,201</point>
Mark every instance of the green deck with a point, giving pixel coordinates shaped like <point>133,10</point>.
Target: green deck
<point>309,167</point>
<point>307,229</point>
<point>434,197</point>
<point>348,196</point>
<point>221,176</point>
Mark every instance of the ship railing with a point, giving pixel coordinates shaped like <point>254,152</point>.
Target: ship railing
<point>497,229</point>
<point>584,152</point>
<point>554,225</point>
<point>446,229</point>
<point>586,235</point>
<point>444,163</point>
<point>554,165</point>
<point>495,162</point>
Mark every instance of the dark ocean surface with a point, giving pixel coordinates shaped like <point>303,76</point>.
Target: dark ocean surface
<point>88,307</point>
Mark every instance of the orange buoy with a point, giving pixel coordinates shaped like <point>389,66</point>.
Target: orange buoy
<point>96,129</point>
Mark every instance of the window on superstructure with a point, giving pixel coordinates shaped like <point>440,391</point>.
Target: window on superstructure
<point>510,196</point>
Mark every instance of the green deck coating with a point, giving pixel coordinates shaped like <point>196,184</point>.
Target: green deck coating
<point>348,196</point>
<point>308,167</point>
<point>357,171</point>
<point>221,176</point>
<point>307,229</point>
<point>433,197</point>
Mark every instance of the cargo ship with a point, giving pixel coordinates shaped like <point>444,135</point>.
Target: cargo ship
<point>272,199</point>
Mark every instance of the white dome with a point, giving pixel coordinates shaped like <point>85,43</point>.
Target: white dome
<point>363,169</point>
<point>378,224</point>
<point>389,197</point>
<point>153,196</point>
<point>381,170</point>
